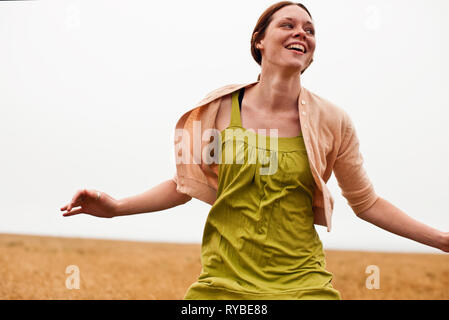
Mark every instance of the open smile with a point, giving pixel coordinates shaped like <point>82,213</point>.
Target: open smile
<point>296,52</point>
<point>297,47</point>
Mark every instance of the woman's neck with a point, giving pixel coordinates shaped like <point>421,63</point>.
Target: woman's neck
<point>277,92</point>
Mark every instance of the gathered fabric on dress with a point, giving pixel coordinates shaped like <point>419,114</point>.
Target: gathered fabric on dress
<point>259,240</point>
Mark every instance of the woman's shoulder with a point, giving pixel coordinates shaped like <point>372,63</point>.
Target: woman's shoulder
<point>207,109</point>
<point>323,104</point>
<point>325,108</point>
<point>219,93</point>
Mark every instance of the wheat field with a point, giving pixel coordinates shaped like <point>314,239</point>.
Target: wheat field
<point>34,267</point>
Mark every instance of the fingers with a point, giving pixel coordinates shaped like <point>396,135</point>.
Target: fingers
<point>77,198</point>
<point>73,212</point>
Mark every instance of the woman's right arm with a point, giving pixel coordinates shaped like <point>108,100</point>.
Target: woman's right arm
<point>161,197</point>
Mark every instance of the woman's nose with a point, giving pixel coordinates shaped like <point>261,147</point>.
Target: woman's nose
<point>300,33</point>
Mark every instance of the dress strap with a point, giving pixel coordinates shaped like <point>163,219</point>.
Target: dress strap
<point>237,97</point>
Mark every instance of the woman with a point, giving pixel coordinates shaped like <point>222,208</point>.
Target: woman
<point>259,241</point>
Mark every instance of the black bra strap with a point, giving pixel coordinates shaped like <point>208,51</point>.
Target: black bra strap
<point>241,93</point>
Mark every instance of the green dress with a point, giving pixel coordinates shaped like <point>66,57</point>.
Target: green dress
<point>259,241</point>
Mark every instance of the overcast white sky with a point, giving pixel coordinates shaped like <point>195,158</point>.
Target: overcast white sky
<point>86,100</point>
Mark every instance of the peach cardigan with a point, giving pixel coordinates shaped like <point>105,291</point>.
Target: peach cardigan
<point>331,143</point>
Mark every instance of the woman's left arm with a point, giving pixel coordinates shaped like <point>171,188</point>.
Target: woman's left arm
<point>359,191</point>
<point>390,218</point>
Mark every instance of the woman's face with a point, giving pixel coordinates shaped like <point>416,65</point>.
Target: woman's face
<point>291,24</point>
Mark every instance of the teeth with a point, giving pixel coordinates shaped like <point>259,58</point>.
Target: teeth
<point>297,46</point>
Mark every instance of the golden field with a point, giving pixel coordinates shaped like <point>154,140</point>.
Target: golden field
<point>34,267</point>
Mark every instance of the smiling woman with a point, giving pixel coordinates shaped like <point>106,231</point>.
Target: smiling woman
<point>284,22</point>
<point>259,240</point>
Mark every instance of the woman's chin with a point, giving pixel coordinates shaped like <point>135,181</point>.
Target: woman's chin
<point>294,63</point>
<point>291,66</point>
<point>294,67</point>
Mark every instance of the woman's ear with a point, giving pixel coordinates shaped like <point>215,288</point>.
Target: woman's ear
<point>258,45</point>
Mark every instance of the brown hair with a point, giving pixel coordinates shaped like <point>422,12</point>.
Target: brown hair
<point>263,23</point>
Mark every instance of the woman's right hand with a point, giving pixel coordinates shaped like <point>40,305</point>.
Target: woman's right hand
<point>91,202</point>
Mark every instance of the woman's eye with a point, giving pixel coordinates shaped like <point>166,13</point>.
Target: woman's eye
<point>310,31</point>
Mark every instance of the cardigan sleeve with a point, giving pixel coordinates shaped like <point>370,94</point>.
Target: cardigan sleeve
<point>350,173</point>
